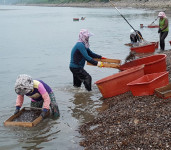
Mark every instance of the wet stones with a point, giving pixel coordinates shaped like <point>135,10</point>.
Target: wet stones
<point>131,122</point>
<point>28,116</point>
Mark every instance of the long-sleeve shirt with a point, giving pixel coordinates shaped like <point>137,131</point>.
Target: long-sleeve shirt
<point>40,92</point>
<point>80,54</point>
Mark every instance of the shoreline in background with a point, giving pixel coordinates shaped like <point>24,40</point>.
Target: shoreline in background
<point>152,4</point>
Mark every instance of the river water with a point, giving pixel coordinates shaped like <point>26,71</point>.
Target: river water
<point>38,41</point>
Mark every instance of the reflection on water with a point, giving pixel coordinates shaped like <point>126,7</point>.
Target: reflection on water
<point>83,108</point>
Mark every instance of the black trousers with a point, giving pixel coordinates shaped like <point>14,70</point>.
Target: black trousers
<point>163,35</point>
<point>81,76</point>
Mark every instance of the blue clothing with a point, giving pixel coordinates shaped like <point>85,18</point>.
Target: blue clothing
<point>80,54</point>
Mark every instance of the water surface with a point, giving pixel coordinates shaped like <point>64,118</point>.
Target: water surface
<point>38,41</point>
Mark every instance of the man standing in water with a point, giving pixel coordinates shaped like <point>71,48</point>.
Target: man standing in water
<point>79,54</point>
<point>163,29</point>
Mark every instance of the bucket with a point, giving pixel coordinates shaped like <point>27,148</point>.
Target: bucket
<point>150,48</point>
<point>117,84</point>
<point>153,64</point>
<point>146,84</point>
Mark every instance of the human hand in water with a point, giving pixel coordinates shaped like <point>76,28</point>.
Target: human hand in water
<point>43,113</point>
<point>17,110</point>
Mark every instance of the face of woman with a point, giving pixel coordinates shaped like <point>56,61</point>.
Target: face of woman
<point>161,17</point>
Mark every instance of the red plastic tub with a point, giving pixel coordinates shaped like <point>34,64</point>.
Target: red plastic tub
<point>156,44</point>
<point>117,84</point>
<point>146,84</point>
<point>153,26</point>
<point>153,64</point>
<point>170,42</point>
<point>150,48</point>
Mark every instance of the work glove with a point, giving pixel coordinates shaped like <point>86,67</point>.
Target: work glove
<point>103,57</point>
<point>159,30</point>
<point>100,64</point>
<point>17,110</point>
<point>43,113</point>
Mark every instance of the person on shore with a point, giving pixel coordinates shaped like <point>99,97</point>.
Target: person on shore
<point>79,54</point>
<point>163,29</point>
<point>135,37</point>
<point>40,93</point>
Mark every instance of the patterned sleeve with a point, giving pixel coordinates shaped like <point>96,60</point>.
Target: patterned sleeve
<point>45,96</point>
<point>20,100</point>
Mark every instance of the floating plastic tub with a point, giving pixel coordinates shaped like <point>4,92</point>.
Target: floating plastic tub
<point>164,92</point>
<point>153,64</point>
<point>146,84</point>
<point>150,48</point>
<point>117,84</point>
<point>75,19</point>
<point>153,26</point>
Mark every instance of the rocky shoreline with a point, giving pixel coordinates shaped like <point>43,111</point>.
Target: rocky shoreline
<point>152,4</point>
<point>157,5</point>
<point>131,123</point>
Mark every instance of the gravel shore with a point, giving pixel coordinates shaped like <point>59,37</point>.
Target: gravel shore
<point>158,5</point>
<point>131,123</point>
<point>152,4</point>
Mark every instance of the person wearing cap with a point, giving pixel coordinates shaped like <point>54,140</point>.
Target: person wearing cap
<point>135,37</point>
<point>79,54</point>
<point>163,29</point>
<point>40,93</point>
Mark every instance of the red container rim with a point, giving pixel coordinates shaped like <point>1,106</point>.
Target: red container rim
<point>120,74</point>
<point>160,74</point>
<point>149,63</point>
<point>151,44</point>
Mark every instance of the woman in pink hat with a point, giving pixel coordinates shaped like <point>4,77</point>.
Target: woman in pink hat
<point>163,29</point>
<point>79,54</point>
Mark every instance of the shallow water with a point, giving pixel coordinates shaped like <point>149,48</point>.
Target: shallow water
<point>38,41</point>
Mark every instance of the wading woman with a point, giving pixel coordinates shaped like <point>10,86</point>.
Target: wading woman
<point>40,93</point>
<point>79,54</point>
<point>163,29</point>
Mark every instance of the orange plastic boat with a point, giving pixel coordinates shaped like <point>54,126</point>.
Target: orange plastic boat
<point>150,48</point>
<point>153,64</point>
<point>153,26</point>
<point>117,84</point>
<point>146,84</point>
<point>156,44</point>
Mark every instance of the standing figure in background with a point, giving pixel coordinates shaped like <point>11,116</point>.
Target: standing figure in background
<point>135,37</point>
<point>163,29</point>
<point>79,54</point>
<point>40,93</point>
